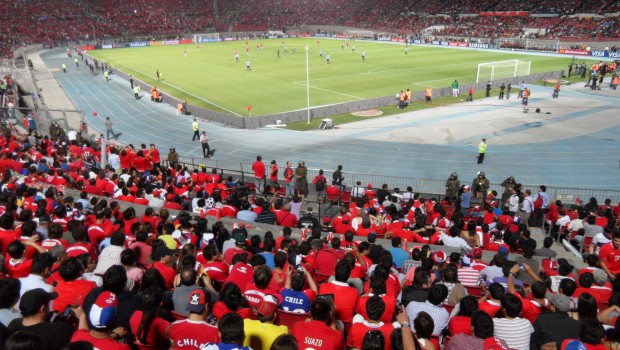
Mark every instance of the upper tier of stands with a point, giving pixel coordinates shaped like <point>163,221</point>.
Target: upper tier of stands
<point>44,21</point>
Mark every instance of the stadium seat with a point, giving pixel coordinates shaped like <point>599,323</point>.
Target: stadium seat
<point>449,307</point>
<point>345,198</point>
<point>320,278</point>
<point>475,291</point>
<point>287,318</point>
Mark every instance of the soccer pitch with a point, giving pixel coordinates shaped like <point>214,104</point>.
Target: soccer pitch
<point>210,77</point>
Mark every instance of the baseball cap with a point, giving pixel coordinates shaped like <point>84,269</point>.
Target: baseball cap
<point>477,253</point>
<point>162,251</point>
<point>267,306</point>
<point>196,302</point>
<point>326,219</point>
<point>439,257</point>
<point>467,260</point>
<point>239,238</point>
<point>573,344</point>
<point>503,251</point>
<point>206,237</point>
<point>560,301</point>
<point>103,311</point>
<point>33,299</point>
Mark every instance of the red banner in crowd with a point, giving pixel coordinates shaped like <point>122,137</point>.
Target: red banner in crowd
<point>87,48</point>
<point>452,43</point>
<point>505,13</point>
<point>574,52</point>
<point>186,41</point>
<point>398,40</point>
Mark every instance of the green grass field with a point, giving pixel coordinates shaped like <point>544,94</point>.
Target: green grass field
<point>211,78</point>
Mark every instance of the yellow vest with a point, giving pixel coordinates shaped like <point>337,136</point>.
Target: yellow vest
<point>195,126</point>
<point>482,148</point>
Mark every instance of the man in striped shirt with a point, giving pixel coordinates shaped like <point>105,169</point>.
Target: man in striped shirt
<point>513,329</point>
<point>468,276</point>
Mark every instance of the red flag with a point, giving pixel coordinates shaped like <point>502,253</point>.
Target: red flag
<point>249,108</point>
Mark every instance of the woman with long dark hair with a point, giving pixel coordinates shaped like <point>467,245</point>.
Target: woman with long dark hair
<point>146,325</point>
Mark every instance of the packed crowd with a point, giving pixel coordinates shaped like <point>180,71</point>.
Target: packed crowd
<point>27,22</point>
<point>115,269</point>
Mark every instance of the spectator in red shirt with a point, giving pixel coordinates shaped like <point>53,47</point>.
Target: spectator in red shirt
<point>212,264</point>
<point>18,265</point>
<point>146,324</point>
<point>241,273</point>
<point>320,333</point>
<point>232,301</point>
<point>259,174</point>
<point>192,332</point>
<point>461,322</point>
<point>609,257</point>
<point>286,218</point>
<point>491,304</point>
<point>256,291</point>
<point>71,289</point>
<point>326,259</point>
<point>378,288</point>
<point>154,156</point>
<point>7,233</point>
<point>375,308</point>
<point>162,257</point>
<point>345,297</point>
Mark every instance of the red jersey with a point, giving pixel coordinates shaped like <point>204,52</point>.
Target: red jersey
<point>254,295</point>
<point>192,335</point>
<point>166,271</point>
<point>318,336</point>
<point>79,248</point>
<point>460,324</point>
<point>18,268</point>
<point>6,237</point>
<point>611,257</point>
<point>345,297</point>
<point>390,307</point>
<point>98,343</point>
<point>217,270</point>
<point>355,338</point>
<point>71,293</point>
<point>240,274</point>
<point>490,307</point>
<point>157,331</point>
<point>259,169</point>
<point>220,309</point>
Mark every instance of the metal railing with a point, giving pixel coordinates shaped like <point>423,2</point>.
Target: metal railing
<point>428,187</point>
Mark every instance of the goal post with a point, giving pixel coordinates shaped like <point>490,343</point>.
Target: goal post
<point>502,69</point>
<point>207,38</point>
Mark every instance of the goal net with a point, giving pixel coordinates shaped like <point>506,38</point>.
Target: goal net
<point>502,69</point>
<point>206,38</point>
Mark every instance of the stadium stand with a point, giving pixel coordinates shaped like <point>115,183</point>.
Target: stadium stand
<point>26,23</point>
<point>107,222</point>
<point>145,253</point>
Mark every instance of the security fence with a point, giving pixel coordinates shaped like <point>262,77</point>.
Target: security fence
<point>427,187</point>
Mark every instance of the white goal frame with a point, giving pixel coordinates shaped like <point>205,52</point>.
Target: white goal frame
<point>517,71</point>
<point>206,38</point>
